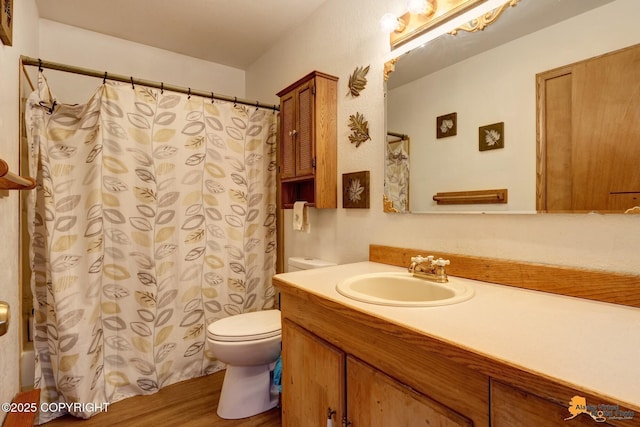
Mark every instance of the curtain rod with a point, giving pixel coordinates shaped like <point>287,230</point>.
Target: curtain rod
<point>158,85</point>
<point>402,136</point>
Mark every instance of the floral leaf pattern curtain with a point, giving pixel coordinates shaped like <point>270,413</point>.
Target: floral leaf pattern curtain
<point>154,216</point>
<point>396,174</point>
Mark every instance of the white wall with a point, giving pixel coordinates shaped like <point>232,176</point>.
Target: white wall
<point>341,36</point>
<point>25,41</point>
<point>75,46</point>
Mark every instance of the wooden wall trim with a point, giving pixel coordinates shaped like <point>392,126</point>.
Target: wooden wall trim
<point>611,287</point>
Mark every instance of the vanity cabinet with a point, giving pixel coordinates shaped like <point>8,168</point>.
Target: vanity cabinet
<point>322,381</point>
<point>307,152</point>
<point>367,369</point>
<point>515,407</point>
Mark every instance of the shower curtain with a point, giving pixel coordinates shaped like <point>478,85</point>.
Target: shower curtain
<point>154,215</point>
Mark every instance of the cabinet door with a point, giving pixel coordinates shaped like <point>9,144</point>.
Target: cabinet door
<point>305,131</point>
<point>312,378</point>
<point>377,400</point>
<point>512,407</point>
<point>287,135</point>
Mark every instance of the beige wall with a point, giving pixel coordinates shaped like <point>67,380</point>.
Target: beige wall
<point>25,41</point>
<point>76,46</point>
<point>341,36</point>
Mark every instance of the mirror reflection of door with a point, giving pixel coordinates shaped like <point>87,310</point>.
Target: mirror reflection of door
<point>589,142</point>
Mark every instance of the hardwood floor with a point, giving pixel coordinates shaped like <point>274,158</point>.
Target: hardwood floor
<point>190,403</point>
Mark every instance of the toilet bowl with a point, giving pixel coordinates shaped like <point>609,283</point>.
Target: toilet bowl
<point>249,344</point>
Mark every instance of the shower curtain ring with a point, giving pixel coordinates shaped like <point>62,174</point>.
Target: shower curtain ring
<point>257,103</point>
<point>161,88</point>
<point>189,94</point>
<point>132,85</point>
<point>104,80</point>
<point>212,97</point>
<point>39,65</point>
<point>235,100</point>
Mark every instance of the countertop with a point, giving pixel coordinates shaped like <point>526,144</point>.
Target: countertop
<point>589,344</point>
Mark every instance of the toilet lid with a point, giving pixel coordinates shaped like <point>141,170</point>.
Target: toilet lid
<point>246,327</point>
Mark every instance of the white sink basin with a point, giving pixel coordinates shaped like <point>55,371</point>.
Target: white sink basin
<point>403,290</point>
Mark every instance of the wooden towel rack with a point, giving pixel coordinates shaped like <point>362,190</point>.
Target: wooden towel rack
<point>11,181</point>
<point>472,197</point>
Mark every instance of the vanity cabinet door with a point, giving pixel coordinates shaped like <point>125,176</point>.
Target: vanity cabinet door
<point>377,400</point>
<point>312,379</point>
<point>513,407</point>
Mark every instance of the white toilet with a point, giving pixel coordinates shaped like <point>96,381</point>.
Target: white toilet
<point>306,263</point>
<point>249,344</point>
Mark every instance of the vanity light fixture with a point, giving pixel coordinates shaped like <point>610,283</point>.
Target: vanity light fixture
<point>423,16</point>
<point>389,23</point>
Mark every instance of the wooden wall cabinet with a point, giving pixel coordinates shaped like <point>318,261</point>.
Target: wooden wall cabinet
<point>342,387</point>
<point>307,152</point>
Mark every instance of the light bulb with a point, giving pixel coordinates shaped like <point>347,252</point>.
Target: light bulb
<point>417,6</point>
<point>389,23</point>
<point>420,7</point>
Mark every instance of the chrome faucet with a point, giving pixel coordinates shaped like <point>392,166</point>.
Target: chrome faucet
<point>429,268</point>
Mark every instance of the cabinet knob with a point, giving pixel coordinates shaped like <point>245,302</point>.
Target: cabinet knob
<point>292,132</point>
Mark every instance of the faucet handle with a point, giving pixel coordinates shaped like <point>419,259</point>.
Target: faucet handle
<point>441,262</point>
<point>416,259</point>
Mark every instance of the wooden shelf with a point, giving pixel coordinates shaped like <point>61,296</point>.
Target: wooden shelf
<point>11,181</point>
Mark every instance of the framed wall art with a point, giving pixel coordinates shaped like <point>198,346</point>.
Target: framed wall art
<point>491,137</point>
<point>6,22</point>
<point>447,125</point>
<point>355,190</point>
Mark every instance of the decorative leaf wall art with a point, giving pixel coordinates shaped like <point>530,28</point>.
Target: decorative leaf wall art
<point>358,80</point>
<point>355,190</point>
<point>359,129</point>
<point>491,136</point>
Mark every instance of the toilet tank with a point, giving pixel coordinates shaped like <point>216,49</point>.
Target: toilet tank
<point>306,263</point>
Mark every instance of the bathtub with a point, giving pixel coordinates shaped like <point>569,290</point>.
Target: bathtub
<point>27,360</point>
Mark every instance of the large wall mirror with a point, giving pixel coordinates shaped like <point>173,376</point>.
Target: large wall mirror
<point>466,106</point>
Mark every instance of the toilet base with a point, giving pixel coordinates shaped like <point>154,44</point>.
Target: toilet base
<point>246,391</point>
